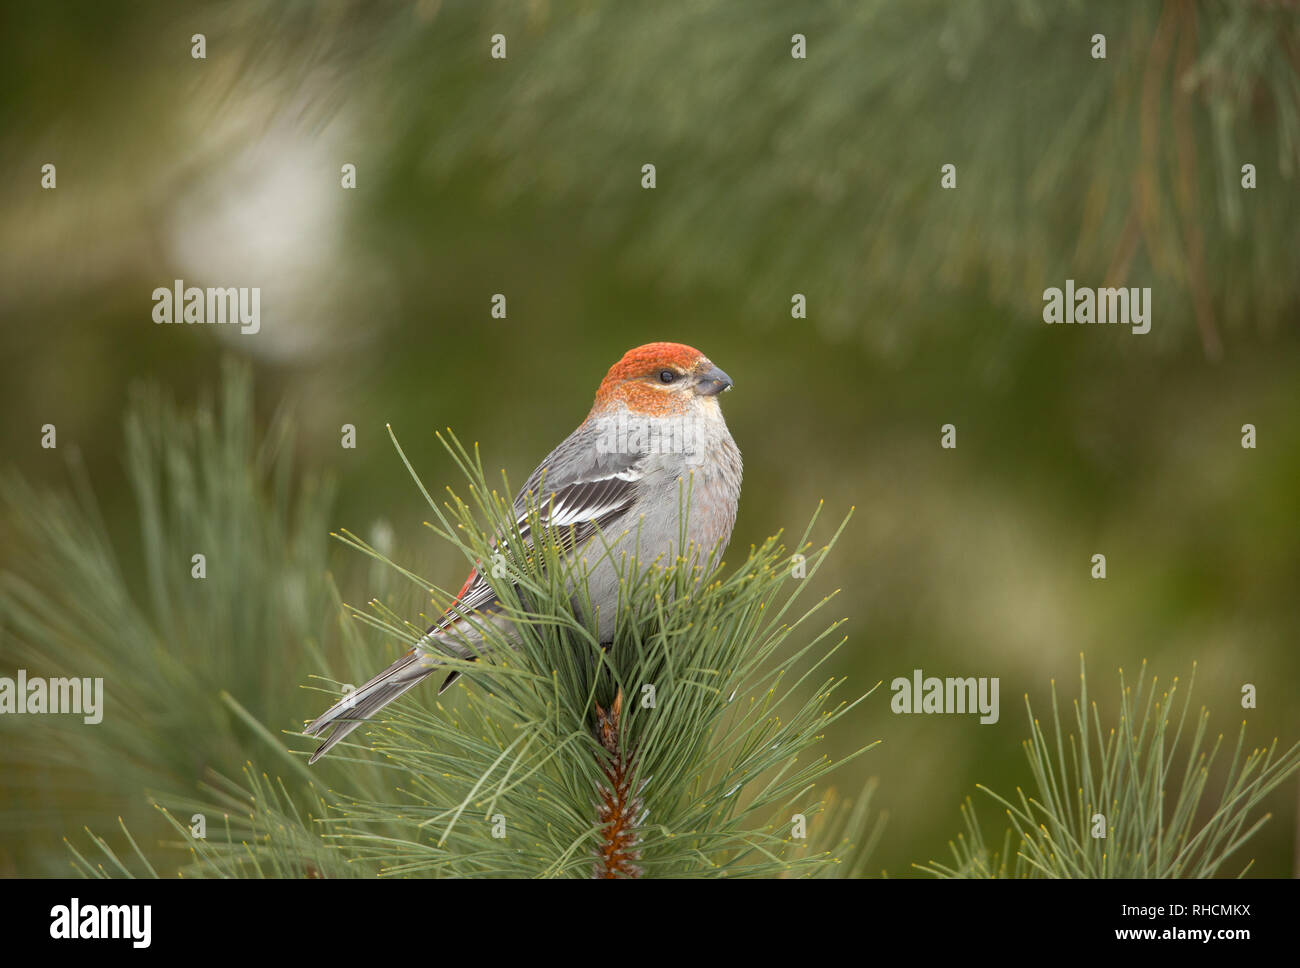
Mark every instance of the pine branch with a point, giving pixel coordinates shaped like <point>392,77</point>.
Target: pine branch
<point>1115,806</point>
<point>683,780</point>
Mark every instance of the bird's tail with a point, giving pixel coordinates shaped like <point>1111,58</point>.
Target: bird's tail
<point>360,704</point>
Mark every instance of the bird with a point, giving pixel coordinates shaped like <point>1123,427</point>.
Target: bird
<point>617,488</point>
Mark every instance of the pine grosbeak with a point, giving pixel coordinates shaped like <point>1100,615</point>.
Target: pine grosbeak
<point>617,485</point>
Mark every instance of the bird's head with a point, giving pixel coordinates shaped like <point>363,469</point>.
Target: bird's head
<point>661,380</point>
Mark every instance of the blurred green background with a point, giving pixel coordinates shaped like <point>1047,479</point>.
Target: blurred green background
<point>775,176</point>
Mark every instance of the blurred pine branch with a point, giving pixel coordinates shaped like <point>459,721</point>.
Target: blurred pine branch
<point>1134,800</point>
<point>821,176</point>
<point>776,175</point>
<point>165,643</point>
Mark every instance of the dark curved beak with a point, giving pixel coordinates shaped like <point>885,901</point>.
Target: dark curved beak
<point>712,382</point>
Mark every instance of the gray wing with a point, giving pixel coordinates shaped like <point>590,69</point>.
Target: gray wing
<point>580,488</point>
<point>576,488</point>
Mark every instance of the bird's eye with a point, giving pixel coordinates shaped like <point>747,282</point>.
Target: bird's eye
<point>667,376</point>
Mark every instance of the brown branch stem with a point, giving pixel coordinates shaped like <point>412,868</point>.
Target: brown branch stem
<point>618,805</point>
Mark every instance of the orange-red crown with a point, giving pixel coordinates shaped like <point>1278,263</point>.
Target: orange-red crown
<point>622,382</point>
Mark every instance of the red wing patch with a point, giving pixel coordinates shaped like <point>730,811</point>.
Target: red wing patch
<point>473,573</point>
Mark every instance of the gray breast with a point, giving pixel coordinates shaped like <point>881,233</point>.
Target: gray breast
<point>652,530</point>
